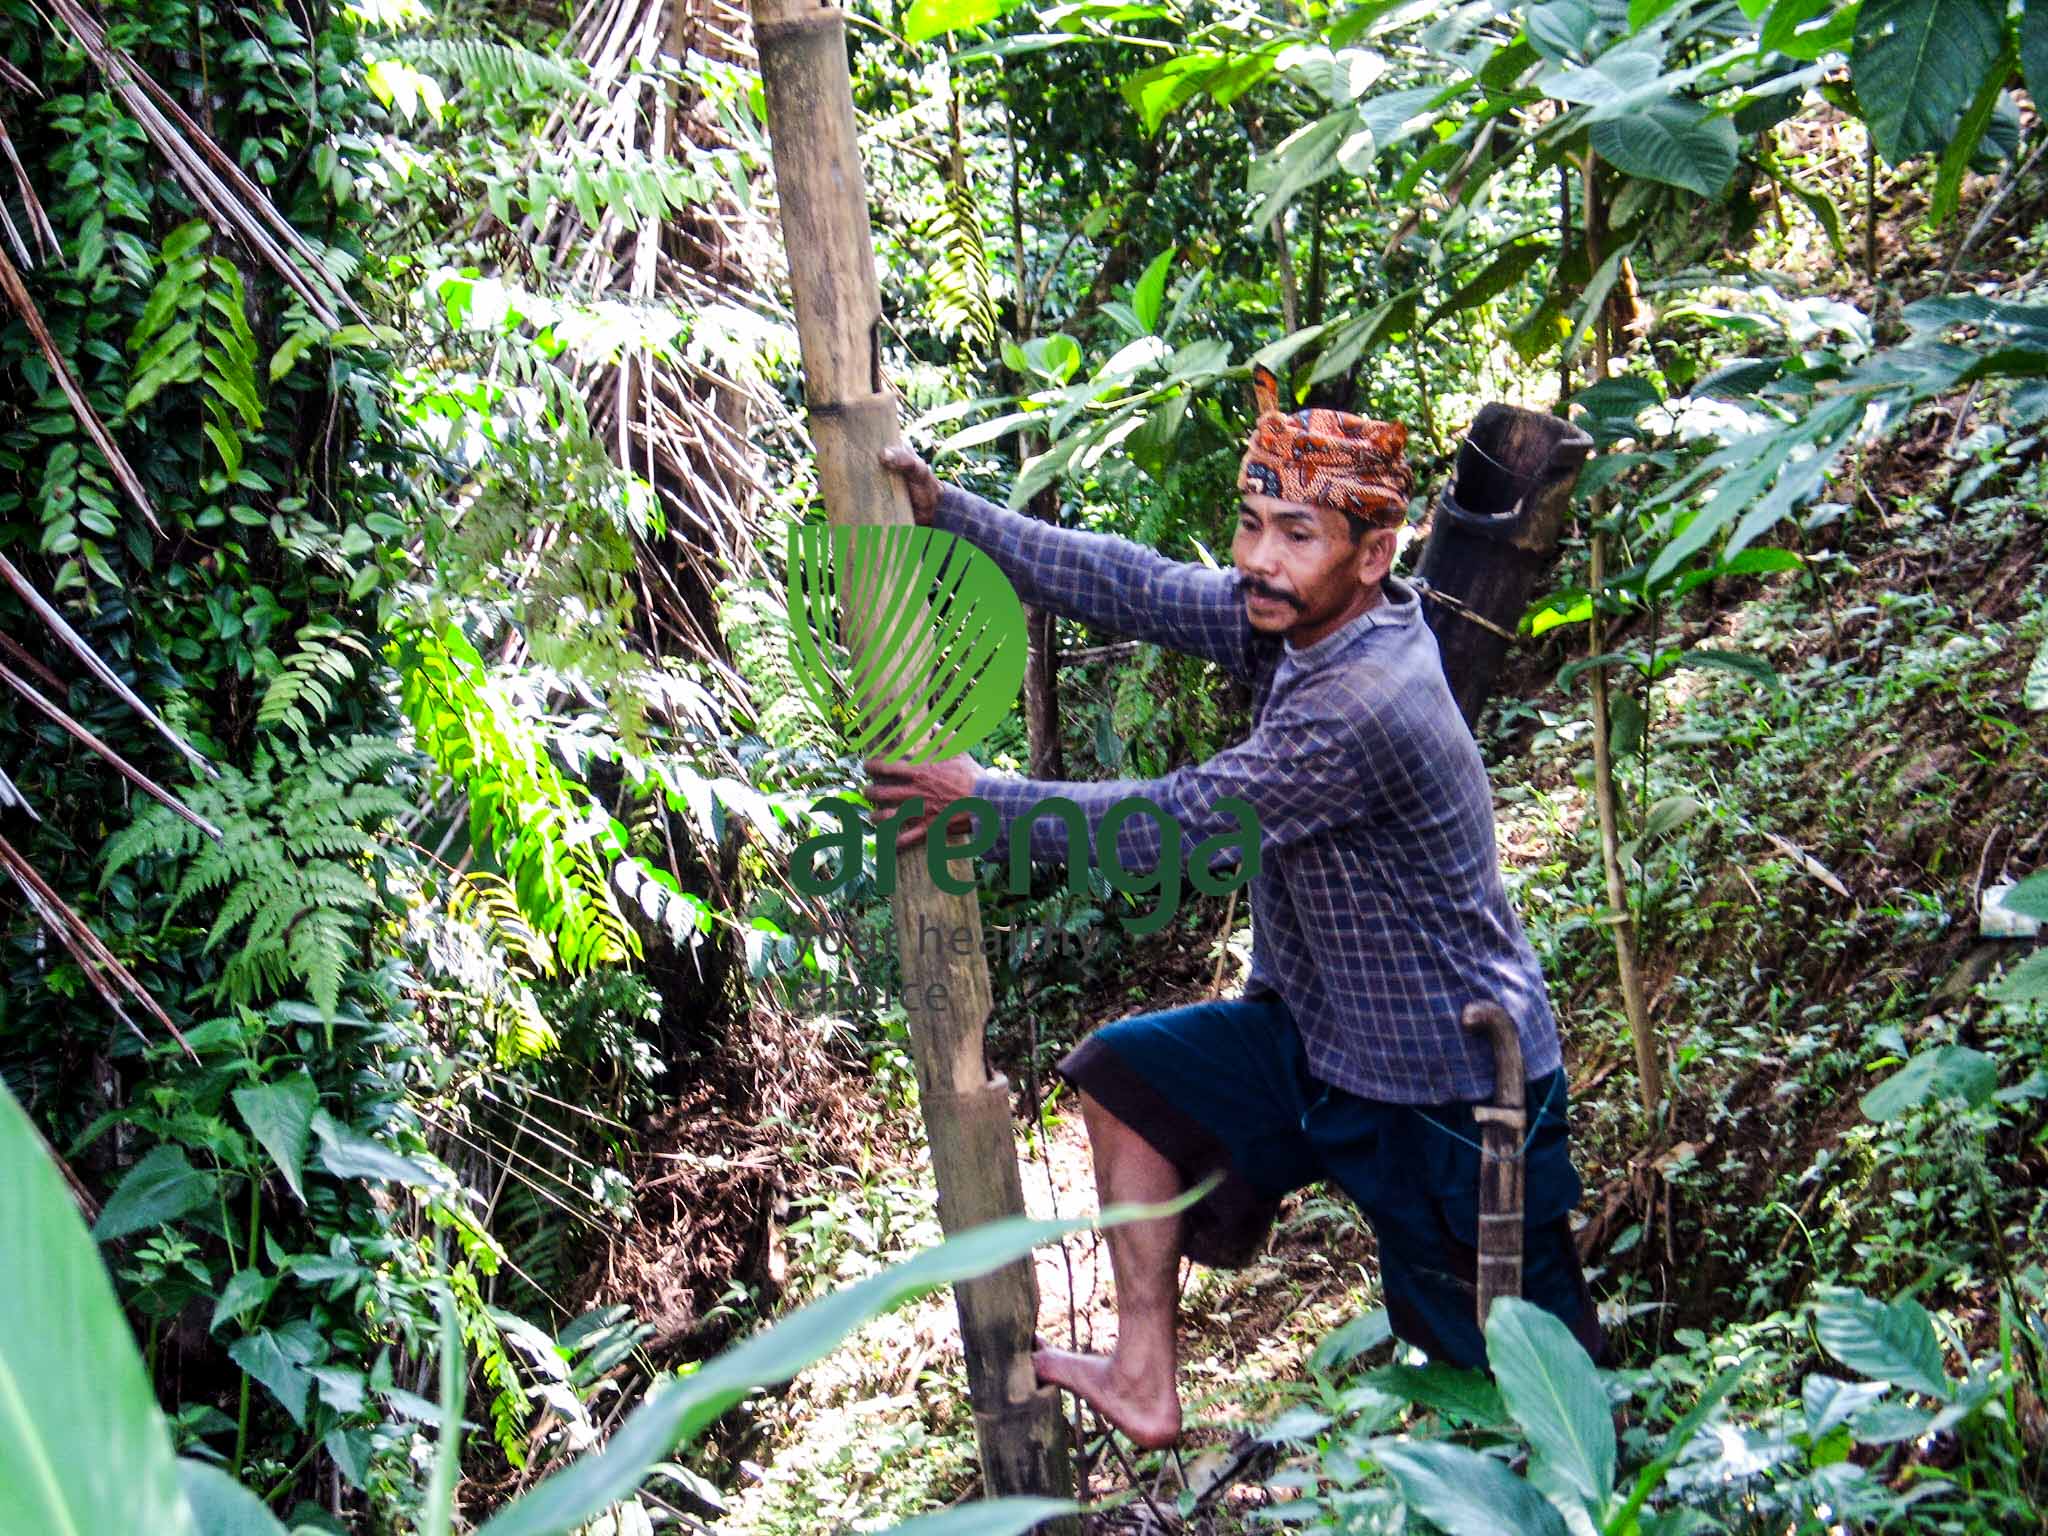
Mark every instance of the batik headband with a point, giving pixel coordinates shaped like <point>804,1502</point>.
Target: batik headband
<point>1327,459</point>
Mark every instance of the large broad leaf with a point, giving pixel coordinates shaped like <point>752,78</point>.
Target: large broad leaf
<point>2030,897</point>
<point>280,1116</point>
<point>1945,1072</point>
<point>1463,1492</point>
<point>678,1410</point>
<point>936,661</point>
<point>223,1507</point>
<point>348,1154</point>
<point>929,18</point>
<point>281,1363</point>
<point>160,1188</point>
<point>1548,1383</point>
<point>1467,1396</point>
<point>987,1517</point>
<point>1830,1401</point>
<point>2034,50</point>
<point>1918,63</point>
<point>1888,1341</point>
<point>1675,141</point>
<point>83,1447</point>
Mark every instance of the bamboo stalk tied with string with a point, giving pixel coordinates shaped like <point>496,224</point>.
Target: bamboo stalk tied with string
<point>853,416</point>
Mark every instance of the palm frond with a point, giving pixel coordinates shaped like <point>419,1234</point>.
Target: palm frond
<point>496,67</point>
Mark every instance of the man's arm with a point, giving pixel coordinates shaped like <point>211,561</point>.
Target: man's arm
<point>1106,581</point>
<point>1298,773</point>
<point>1110,582</point>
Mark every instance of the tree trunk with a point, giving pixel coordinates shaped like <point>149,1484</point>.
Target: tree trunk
<point>853,416</point>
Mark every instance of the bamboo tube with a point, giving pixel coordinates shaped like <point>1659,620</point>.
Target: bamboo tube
<point>853,416</point>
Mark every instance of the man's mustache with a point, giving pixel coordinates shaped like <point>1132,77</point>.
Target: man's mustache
<point>1272,592</point>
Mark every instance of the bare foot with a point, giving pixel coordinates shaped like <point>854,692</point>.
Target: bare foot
<point>1147,1415</point>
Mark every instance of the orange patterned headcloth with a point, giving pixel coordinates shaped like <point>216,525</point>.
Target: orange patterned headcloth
<point>1327,459</point>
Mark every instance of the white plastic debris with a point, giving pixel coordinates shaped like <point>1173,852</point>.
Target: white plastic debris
<point>1995,920</point>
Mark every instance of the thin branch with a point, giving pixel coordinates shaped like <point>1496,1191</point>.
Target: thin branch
<point>94,958</point>
<point>86,738</point>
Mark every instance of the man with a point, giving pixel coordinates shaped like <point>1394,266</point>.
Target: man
<point>1377,915</point>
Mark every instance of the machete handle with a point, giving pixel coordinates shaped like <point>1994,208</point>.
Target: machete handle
<point>1510,1085</point>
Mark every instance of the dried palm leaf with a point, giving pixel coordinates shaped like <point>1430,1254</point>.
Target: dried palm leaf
<point>109,977</point>
<point>86,739</point>
<point>75,643</point>
<point>217,184</point>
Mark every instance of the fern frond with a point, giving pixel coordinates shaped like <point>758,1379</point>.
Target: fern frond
<point>497,69</point>
<point>963,298</point>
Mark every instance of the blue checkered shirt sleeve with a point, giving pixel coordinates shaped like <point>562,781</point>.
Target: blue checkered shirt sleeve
<point>1109,582</point>
<point>1298,774</point>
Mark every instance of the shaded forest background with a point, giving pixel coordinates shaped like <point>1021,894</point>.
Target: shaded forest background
<point>400,436</point>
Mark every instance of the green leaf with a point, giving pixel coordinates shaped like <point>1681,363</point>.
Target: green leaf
<point>1497,276</point>
<point>1830,1401</point>
<point>182,239</point>
<point>1885,1341</point>
<point>1807,29</point>
<point>2030,897</point>
<point>2025,984</point>
<point>246,1290</point>
<point>279,1362</point>
<point>1569,672</point>
<point>929,18</point>
<point>1150,293</point>
<point>1360,1336</point>
<point>1467,1396</point>
<point>221,1506</point>
<point>1741,663</point>
<point>1956,158</point>
<point>448,1452</point>
<point>1945,1072</point>
<point>1675,1443</point>
<point>2035,694</point>
<point>1917,64</point>
<point>83,1447</point>
<point>987,1517</point>
<point>1673,141</point>
<point>1464,1493</point>
<point>678,1410</point>
<point>1549,1385</point>
<point>161,1187</point>
<point>280,1116</point>
<point>2034,50</point>
<point>348,1154</point>
<point>1563,29</point>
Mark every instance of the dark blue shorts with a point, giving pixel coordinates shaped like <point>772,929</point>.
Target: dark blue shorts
<point>1224,1087</point>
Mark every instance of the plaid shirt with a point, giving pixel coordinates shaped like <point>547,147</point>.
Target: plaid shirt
<point>1378,912</point>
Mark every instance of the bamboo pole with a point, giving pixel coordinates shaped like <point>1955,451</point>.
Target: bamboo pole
<point>853,416</point>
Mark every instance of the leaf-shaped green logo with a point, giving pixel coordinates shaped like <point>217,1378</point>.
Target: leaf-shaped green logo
<point>913,690</point>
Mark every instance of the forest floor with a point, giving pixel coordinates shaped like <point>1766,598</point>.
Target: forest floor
<point>1809,921</point>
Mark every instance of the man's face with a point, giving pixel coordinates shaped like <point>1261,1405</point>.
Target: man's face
<point>1304,576</point>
